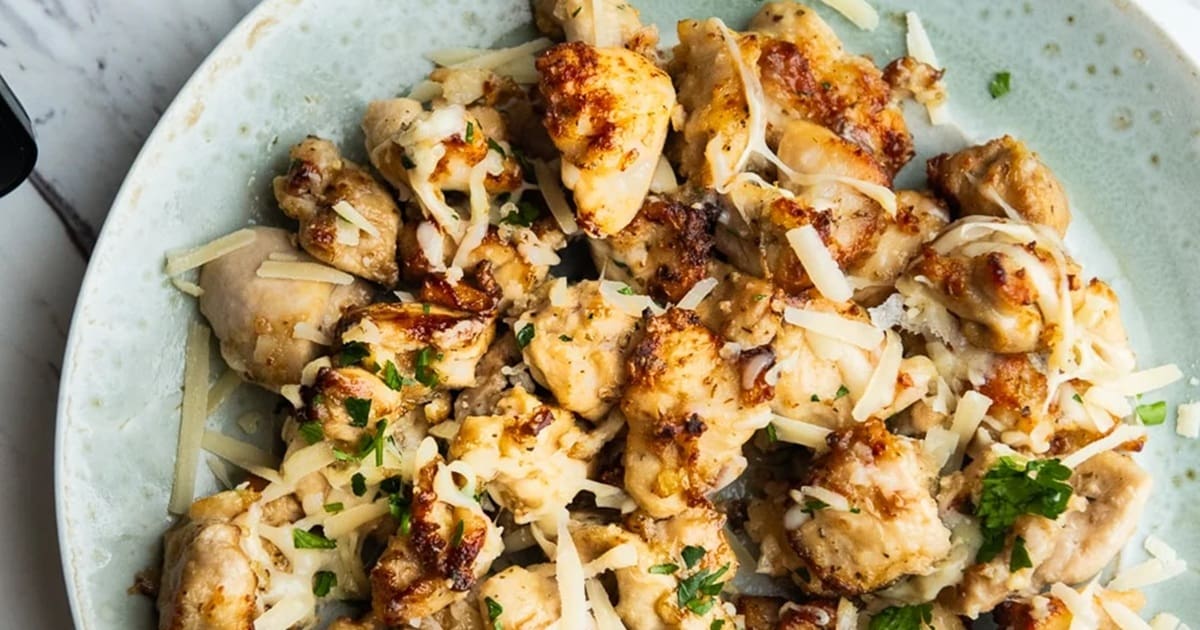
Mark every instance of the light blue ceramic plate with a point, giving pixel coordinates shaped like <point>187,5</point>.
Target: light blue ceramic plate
<point>1097,89</point>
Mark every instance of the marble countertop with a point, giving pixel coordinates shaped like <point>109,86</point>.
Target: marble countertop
<point>95,75</point>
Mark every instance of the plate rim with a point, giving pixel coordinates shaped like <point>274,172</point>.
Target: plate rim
<point>242,38</point>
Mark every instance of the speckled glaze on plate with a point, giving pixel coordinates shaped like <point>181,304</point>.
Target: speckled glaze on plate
<point>1098,90</point>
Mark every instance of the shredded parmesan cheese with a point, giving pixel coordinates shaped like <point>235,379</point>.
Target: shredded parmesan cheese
<point>352,216</point>
<point>342,523</point>
<point>1125,618</point>
<point>602,608</point>
<point>881,389</point>
<point>798,432</point>
<point>834,500</point>
<point>1187,422</point>
<point>220,391</point>
<point>1147,380</point>
<point>1122,434</point>
<point>847,615</point>
<point>292,394</point>
<point>696,294</point>
<point>191,425</point>
<point>859,13</point>
<point>917,41</point>
<point>490,59</point>
<point>968,415</point>
<point>237,452</point>
<point>819,263</point>
<point>939,445</point>
<point>1081,606</point>
<point>835,326</point>
<point>1165,621</point>
<point>556,199</point>
<point>570,574</point>
<point>187,260</point>
<point>187,288</point>
<point>309,332</point>
<point>283,615</point>
<point>631,304</point>
<point>307,271</point>
<point>664,177</point>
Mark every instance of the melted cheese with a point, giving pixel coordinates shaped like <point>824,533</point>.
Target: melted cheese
<point>1122,434</point>
<point>352,216</point>
<point>187,260</point>
<point>570,575</point>
<point>696,294</point>
<point>305,271</point>
<point>1125,618</point>
<point>191,424</point>
<point>556,199</point>
<point>835,326</point>
<point>187,288</point>
<point>241,454</point>
<point>881,389</point>
<point>798,432</point>
<point>309,332</point>
<point>819,263</point>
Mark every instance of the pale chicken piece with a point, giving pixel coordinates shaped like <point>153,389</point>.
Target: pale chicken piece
<point>805,75</point>
<point>208,582</point>
<point>663,252</point>
<point>319,187</point>
<point>528,597</point>
<point>984,179</point>
<point>688,415</point>
<point>607,111</point>
<point>451,546</point>
<point>491,380</point>
<point>649,600</point>
<point>1047,612</point>
<point>1109,493</point>
<point>764,525</point>
<point>1000,278</point>
<point>579,347</point>
<point>603,23</point>
<point>741,308</point>
<point>533,456</point>
<point>919,218</point>
<point>891,526</point>
<point>429,153</point>
<point>255,318</point>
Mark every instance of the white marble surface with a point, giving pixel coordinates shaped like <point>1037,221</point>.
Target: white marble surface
<point>95,75</point>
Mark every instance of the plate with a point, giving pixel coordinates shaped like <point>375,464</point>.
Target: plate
<point>1097,89</point>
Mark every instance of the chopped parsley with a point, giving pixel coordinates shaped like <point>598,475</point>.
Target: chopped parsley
<point>698,592</point>
<point>625,290</point>
<point>457,538</point>
<point>692,555</point>
<point>717,624</point>
<point>323,582</point>
<point>1152,414</point>
<point>495,146</point>
<point>525,335</point>
<point>1000,85</point>
<point>470,135</point>
<point>401,511</point>
<point>772,435</point>
<point>842,391</point>
<point>666,568</point>
<point>358,484</point>
<point>1077,398</point>
<point>391,485</point>
<point>311,432</point>
<point>424,373</point>
<point>758,297</point>
<point>566,338</point>
<point>311,540</point>
<point>1020,556</point>
<point>812,505</point>
<point>493,607</point>
<point>334,508</point>
<point>353,353</point>
<point>359,410</point>
<point>576,11</point>
<point>524,216</point>
<point>391,376</point>
<point>375,444</point>
<point>406,161</point>
<point>1012,488</point>
<point>425,308</point>
<point>815,398</point>
<point>343,456</point>
<point>903,618</point>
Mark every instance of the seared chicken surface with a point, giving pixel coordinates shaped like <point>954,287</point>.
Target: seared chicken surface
<point>627,338</point>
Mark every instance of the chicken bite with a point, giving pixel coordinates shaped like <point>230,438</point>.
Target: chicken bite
<point>686,414</point>
<point>528,597</point>
<point>255,318</point>
<point>607,23</point>
<point>1002,175</point>
<point>607,111</point>
<point>321,190</point>
<point>1047,612</point>
<point>889,526</point>
<point>578,347</point>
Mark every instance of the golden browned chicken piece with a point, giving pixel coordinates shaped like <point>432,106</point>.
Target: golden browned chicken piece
<point>532,456</point>
<point>255,318</point>
<point>803,73</point>
<point>1047,612</point>
<point>740,308</point>
<point>578,348</point>
<point>1109,492</point>
<point>887,526</point>
<point>690,546</point>
<point>527,598</point>
<point>603,23</point>
<point>208,582</point>
<point>688,415</point>
<point>920,81</point>
<point>429,153</point>
<point>347,219</point>
<point>607,111</point>
<point>663,252</point>
<point>451,545</point>
<point>999,277</point>
<point>983,179</point>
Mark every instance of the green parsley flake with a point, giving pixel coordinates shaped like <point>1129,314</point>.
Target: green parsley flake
<point>566,338</point>
<point>576,11</point>
<point>311,432</point>
<point>698,591</point>
<point>376,443</point>
<point>1000,85</point>
<point>406,161</point>
<point>692,555</point>
<point>815,398</point>
<point>424,372</point>
<point>525,335</point>
<point>494,611</point>
<point>1077,398</point>
<point>717,624</point>
<point>903,618</point>
<point>457,538</point>
<point>772,435</point>
<point>758,297</point>
<point>353,353</point>
<point>334,508</point>
<point>666,568</point>
<point>358,484</point>
<point>812,505</point>
<point>359,410</point>
<point>842,391</point>
<point>524,216</point>
<point>425,308</point>
<point>495,146</point>
<point>323,582</point>
<point>1012,488</point>
<point>1020,556</point>
<point>625,290</point>
<point>1152,414</point>
<point>391,376</point>
<point>343,456</point>
<point>311,540</point>
<point>470,135</point>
